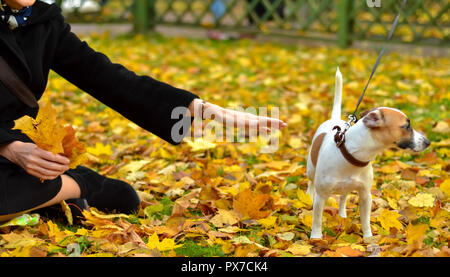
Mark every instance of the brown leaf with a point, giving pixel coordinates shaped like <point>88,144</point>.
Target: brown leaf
<point>185,202</point>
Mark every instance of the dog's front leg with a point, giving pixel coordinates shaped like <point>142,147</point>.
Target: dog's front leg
<point>365,205</point>
<point>318,205</point>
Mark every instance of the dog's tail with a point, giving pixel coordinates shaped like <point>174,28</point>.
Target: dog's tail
<point>336,113</point>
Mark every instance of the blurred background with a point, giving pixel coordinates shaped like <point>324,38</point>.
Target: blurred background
<point>343,22</point>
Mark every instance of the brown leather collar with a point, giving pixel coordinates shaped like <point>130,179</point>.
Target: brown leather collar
<point>339,138</point>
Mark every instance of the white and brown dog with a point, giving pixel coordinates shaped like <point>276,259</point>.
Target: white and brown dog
<point>339,162</point>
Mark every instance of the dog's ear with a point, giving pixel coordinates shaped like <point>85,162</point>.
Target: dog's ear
<point>373,119</point>
<point>364,113</point>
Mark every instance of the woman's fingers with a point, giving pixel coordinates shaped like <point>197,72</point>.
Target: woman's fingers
<point>42,173</point>
<point>46,165</point>
<point>247,120</point>
<point>52,166</point>
<point>49,156</point>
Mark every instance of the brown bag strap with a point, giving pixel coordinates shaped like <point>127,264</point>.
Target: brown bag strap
<point>10,80</point>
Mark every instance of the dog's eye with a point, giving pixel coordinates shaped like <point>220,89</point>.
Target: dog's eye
<point>407,126</point>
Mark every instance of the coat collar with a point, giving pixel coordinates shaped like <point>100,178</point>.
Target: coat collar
<point>41,12</point>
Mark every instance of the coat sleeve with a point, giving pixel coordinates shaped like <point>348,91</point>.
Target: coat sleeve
<point>7,136</point>
<point>145,101</point>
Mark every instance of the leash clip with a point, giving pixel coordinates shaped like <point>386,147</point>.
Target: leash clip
<point>351,119</point>
<point>339,137</point>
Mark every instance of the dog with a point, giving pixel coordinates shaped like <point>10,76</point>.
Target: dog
<point>339,158</point>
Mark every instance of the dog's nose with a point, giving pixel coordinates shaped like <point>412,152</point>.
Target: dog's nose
<point>427,142</point>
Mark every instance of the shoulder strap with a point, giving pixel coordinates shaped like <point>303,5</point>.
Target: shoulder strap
<point>10,80</point>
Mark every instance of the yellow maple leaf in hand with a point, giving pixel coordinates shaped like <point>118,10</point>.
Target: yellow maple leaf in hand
<point>46,131</point>
<point>49,133</point>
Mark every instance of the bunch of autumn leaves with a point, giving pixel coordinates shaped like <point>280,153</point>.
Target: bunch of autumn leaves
<point>51,134</point>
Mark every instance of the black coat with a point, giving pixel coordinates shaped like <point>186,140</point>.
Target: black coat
<point>46,43</point>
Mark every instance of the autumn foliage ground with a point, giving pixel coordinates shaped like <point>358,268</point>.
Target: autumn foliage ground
<point>229,199</point>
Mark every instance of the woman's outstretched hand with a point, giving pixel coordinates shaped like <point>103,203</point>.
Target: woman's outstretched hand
<point>237,118</point>
<point>34,160</point>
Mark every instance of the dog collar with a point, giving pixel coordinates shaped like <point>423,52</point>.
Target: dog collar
<point>339,138</point>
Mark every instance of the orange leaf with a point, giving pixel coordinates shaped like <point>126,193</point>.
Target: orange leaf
<point>73,149</point>
<point>349,252</point>
<point>250,204</point>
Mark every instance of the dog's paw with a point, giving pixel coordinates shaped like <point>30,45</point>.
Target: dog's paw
<point>316,236</point>
<point>343,214</point>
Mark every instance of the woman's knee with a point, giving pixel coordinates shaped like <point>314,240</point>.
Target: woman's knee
<point>116,195</point>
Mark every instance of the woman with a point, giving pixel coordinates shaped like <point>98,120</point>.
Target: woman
<point>34,38</point>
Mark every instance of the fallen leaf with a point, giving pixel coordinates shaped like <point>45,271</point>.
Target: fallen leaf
<point>389,219</point>
<point>250,204</point>
<point>422,200</point>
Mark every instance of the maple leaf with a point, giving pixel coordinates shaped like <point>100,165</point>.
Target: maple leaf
<point>46,131</point>
<point>299,249</point>
<point>415,234</point>
<point>100,149</point>
<point>349,251</point>
<point>389,219</point>
<point>224,217</point>
<point>445,187</point>
<point>164,245</point>
<point>74,150</point>
<point>49,133</point>
<point>422,200</point>
<point>250,204</point>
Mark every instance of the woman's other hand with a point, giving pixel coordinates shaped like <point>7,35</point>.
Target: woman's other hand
<point>237,118</point>
<point>34,160</point>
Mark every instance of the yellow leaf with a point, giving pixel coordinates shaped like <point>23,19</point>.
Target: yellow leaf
<point>299,249</point>
<point>164,245</point>
<point>278,165</point>
<point>67,212</point>
<point>133,166</point>
<point>46,131</point>
<point>224,217</point>
<point>392,203</point>
<point>307,220</point>
<point>445,187</point>
<point>231,229</point>
<point>415,233</point>
<point>100,149</point>
<point>422,200</point>
<point>268,222</point>
<point>389,219</point>
<point>304,198</point>
<point>439,219</point>
<point>53,231</point>
<point>295,142</point>
<point>200,144</point>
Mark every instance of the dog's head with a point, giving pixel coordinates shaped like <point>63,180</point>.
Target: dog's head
<point>392,127</point>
